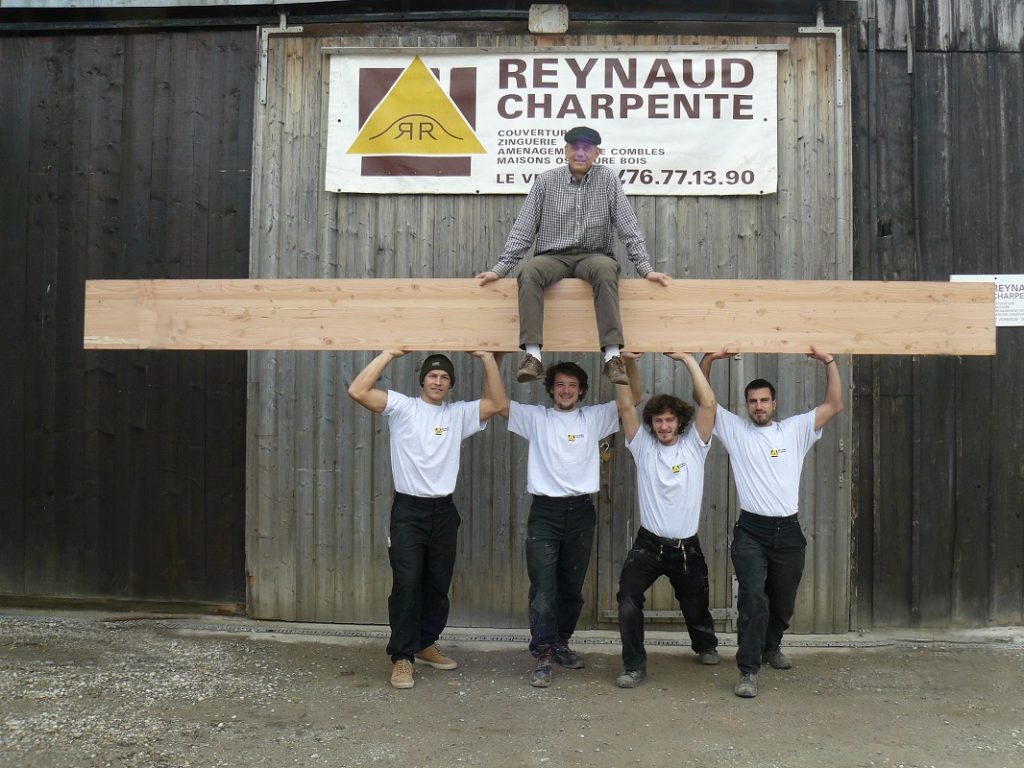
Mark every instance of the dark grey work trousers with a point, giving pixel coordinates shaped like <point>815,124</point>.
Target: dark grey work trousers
<point>559,537</point>
<point>598,269</point>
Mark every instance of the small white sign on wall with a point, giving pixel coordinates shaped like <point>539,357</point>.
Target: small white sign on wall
<point>1009,295</point>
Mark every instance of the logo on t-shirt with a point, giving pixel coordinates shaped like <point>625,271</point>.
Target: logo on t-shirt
<point>439,431</point>
<point>776,452</point>
<point>676,468</point>
<point>573,438</point>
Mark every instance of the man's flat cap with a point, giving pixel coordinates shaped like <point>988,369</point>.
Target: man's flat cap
<point>582,133</point>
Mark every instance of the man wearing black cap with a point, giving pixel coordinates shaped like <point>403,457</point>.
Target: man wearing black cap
<point>426,438</point>
<point>571,213</point>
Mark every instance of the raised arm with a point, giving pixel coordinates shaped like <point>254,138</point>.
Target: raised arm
<point>636,382</point>
<point>703,395</point>
<point>833,402</point>
<point>363,388</point>
<point>626,397</point>
<point>494,399</point>
<point>705,367</point>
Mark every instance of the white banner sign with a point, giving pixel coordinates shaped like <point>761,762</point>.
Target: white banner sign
<point>672,123</point>
<point>1009,295</point>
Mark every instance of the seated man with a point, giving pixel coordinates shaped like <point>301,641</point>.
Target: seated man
<point>571,212</point>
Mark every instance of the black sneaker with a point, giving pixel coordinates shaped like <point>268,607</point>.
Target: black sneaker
<point>776,659</point>
<point>708,657</point>
<point>568,658</point>
<point>631,678</point>
<point>746,688</point>
<point>541,675</point>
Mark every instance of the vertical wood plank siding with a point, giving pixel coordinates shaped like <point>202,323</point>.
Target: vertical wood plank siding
<point>16,105</point>
<point>319,479</point>
<point>946,25</point>
<point>939,532</point>
<point>128,155</point>
<point>124,156</point>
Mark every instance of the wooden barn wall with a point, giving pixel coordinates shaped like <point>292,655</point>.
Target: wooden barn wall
<point>945,25</point>
<point>319,484</point>
<point>123,156</point>
<point>939,176</point>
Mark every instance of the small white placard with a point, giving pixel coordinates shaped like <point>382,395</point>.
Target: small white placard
<point>1009,295</point>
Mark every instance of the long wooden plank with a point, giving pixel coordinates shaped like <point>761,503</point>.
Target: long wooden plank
<point>850,317</point>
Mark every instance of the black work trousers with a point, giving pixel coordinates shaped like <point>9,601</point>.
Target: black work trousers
<point>682,561</point>
<point>423,533</point>
<point>768,557</point>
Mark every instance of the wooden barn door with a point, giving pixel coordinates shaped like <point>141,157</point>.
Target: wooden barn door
<point>318,478</point>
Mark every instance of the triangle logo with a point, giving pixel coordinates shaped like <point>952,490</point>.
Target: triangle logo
<point>416,117</point>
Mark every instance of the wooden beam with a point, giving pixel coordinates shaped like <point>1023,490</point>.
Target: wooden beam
<point>846,317</point>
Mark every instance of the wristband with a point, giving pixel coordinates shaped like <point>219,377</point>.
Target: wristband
<point>830,361</point>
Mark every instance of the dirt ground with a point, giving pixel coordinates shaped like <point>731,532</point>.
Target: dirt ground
<point>149,692</point>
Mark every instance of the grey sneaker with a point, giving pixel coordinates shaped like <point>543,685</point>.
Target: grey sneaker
<point>746,688</point>
<point>776,659</point>
<point>615,370</point>
<point>631,678</point>
<point>708,657</point>
<point>541,675</point>
<point>530,369</point>
<point>568,658</point>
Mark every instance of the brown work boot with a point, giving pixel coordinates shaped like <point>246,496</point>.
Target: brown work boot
<point>401,674</point>
<point>615,370</point>
<point>530,369</point>
<point>432,656</point>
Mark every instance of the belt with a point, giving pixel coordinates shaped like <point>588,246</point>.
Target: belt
<point>423,500</point>
<point>661,541</point>
<point>770,519</point>
<point>581,497</point>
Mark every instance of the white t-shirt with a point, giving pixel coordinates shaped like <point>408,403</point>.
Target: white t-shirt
<point>670,482</point>
<point>766,461</point>
<point>426,440</point>
<point>563,457</point>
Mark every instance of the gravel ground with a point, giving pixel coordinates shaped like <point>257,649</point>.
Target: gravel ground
<point>85,690</point>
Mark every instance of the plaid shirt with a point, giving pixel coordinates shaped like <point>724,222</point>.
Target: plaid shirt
<point>566,216</point>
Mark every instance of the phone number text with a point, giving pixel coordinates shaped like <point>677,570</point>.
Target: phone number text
<point>674,177</point>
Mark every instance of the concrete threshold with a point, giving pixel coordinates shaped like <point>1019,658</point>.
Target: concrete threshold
<point>488,638</point>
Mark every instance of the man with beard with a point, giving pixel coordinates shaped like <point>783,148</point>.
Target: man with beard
<point>768,546</point>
